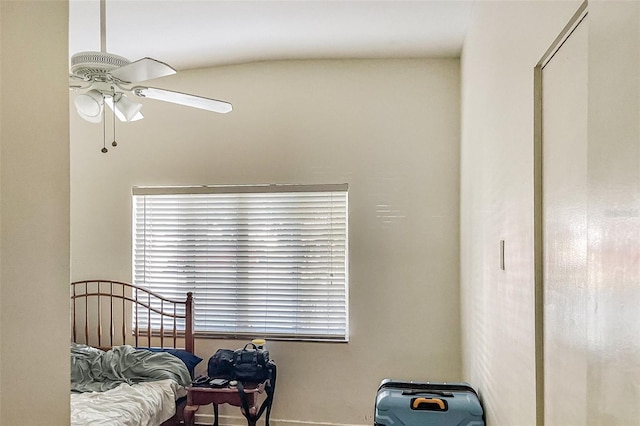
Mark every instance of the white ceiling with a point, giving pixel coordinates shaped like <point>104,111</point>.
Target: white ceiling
<point>200,33</point>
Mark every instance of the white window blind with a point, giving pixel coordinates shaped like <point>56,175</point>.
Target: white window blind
<point>266,261</point>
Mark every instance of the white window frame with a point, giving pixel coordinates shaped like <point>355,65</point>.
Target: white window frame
<point>301,229</point>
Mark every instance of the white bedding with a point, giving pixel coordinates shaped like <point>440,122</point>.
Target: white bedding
<point>142,404</point>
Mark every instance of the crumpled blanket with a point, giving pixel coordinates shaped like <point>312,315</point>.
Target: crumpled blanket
<point>94,370</point>
<point>143,404</point>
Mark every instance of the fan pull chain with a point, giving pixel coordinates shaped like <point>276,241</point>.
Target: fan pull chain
<point>113,114</point>
<point>104,132</point>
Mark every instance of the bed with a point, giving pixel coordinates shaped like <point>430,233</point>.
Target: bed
<point>132,355</point>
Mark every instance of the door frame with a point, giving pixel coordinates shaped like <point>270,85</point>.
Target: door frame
<point>566,32</point>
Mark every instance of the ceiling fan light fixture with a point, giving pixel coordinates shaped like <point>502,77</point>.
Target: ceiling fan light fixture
<point>90,105</point>
<point>125,109</point>
<point>103,77</point>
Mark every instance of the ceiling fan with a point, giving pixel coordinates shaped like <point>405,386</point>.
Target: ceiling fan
<point>104,78</point>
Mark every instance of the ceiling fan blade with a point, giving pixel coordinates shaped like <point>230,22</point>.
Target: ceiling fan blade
<point>183,99</point>
<point>142,70</point>
<point>77,86</point>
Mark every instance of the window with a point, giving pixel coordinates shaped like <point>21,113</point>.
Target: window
<point>262,261</point>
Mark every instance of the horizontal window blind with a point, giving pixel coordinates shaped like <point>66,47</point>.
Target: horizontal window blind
<point>266,261</point>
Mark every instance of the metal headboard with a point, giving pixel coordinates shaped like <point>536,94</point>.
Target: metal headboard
<point>100,304</point>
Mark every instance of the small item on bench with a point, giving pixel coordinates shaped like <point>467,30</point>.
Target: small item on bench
<point>201,381</point>
<point>206,381</point>
<point>259,343</point>
<point>218,383</point>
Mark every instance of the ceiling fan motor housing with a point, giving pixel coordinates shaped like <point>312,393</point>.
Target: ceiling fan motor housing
<point>94,66</point>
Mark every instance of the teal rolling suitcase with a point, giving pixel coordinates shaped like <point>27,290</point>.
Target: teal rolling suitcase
<point>425,403</point>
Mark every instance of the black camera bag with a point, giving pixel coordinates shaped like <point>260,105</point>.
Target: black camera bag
<point>251,365</point>
<point>221,365</point>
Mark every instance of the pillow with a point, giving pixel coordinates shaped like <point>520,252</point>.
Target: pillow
<point>189,359</point>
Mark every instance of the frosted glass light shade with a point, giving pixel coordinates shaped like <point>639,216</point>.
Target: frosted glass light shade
<point>125,109</point>
<point>90,105</point>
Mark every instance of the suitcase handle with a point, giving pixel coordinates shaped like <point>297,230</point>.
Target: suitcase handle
<point>428,404</point>
<point>429,392</point>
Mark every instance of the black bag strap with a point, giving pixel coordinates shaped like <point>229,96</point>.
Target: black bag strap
<point>270,389</point>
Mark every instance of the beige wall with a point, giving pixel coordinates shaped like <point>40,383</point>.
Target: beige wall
<point>1,119</point>
<point>506,41</point>
<point>34,213</point>
<point>389,128</point>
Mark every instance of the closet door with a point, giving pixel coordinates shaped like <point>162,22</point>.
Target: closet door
<point>564,228</point>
